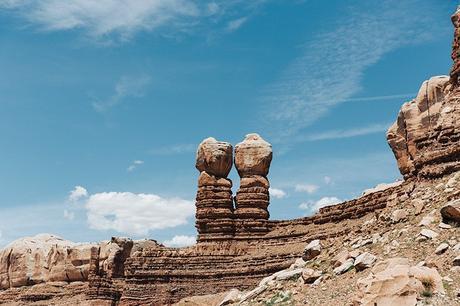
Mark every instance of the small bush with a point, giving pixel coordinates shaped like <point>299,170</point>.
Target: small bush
<point>428,284</point>
<point>278,298</point>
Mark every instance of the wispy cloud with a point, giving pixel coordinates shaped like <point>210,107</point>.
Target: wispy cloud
<point>234,25</point>
<point>331,69</point>
<point>174,149</point>
<point>134,165</point>
<point>345,133</point>
<point>127,87</point>
<point>121,19</point>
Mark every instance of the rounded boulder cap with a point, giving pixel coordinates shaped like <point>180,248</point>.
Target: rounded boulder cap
<point>214,157</point>
<point>253,156</point>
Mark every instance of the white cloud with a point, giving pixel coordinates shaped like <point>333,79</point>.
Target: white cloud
<point>77,194</point>
<point>277,193</point>
<point>121,19</point>
<point>134,165</point>
<point>315,206</point>
<point>126,87</point>
<point>136,214</point>
<point>234,25</point>
<point>103,17</point>
<point>69,215</point>
<point>327,180</point>
<point>308,188</point>
<point>180,241</point>
<point>174,149</point>
<point>331,69</point>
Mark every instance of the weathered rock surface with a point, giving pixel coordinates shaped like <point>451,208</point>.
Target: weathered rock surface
<point>48,258</point>
<point>395,282</point>
<point>253,156</point>
<point>312,250</point>
<point>451,211</point>
<point>214,157</point>
<point>214,201</point>
<point>252,160</point>
<point>424,138</point>
<point>364,261</point>
<point>43,258</point>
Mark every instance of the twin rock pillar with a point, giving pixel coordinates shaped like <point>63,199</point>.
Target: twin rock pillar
<point>214,203</point>
<point>252,160</point>
<point>216,216</point>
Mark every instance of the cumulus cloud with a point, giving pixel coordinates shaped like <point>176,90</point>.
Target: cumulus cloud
<point>315,206</point>
<point>127,87</point>
<point>180,241</point>
<point>308,188</point>
<point>136,214</point>
<point>134,165</point>
<point>277,193</point>
<point>78,193</point>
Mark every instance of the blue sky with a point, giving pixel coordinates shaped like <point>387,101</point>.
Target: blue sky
<point>114,96</point>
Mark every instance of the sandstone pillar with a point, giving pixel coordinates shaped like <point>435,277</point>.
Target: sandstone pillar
<point>455,70</point>
<point>252,160</point>
<point>214,203</point>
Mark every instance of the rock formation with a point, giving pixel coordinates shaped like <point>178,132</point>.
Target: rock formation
<point>214,203</point>
<point>455,70</point>
<point>43,258</point>
<point>252,160</point>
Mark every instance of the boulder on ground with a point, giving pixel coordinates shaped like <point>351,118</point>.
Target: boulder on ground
<point>364,261</point>
<point>451,211</point>
<point>312,250</point>
<point>309,276</point>
<point>395,282</point>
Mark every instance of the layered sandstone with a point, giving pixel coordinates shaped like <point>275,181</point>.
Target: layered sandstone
<point>455,70</point>
<point>214,203</point>
<point>252,160</point>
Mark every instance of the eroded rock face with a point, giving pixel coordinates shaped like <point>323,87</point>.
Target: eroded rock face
<point>396,282</point>
<point>43,258</point>
<point>214,157</point>
<point>455,70</point>
<point>424,139</point>
<point>214,202</point>
<point>252,160</point>
<point>48,258</point>
<point>253,156</point>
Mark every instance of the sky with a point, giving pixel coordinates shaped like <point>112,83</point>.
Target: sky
<point>103,104</point>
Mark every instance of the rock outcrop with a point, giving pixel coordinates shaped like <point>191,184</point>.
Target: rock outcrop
<point>396,282</point>
<point>43,258</point>
<point>425,137</point>
<point>252,160</point>
<point>455,70</point>
<point>214,202</point>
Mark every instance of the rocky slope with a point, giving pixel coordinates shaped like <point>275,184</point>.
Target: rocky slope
<point>396,245</point>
